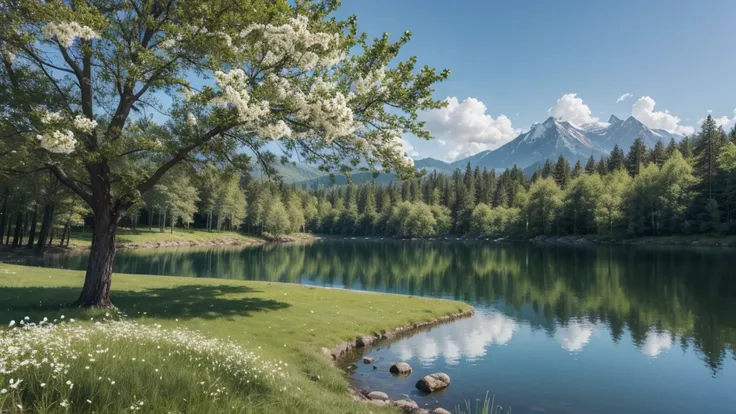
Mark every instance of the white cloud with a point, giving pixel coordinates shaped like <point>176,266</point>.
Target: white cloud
<point>575,335</point>
<point>570,108</point>
<point>724,122</point>
<point>468,127</point>
<point>655,343</point>
<point>624,97</point>
<point>643,110</point>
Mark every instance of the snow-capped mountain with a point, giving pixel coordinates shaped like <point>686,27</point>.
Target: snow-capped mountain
<point>623,134</point>
<point>575,142</point>
<point>546,140</point>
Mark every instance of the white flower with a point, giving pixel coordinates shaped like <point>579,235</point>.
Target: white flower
<point>11,324</point>
<point>3,391</point>
<point>51,117</point>
<point>14,384</point>
<point>85,124</point>
<point>43,384</point>
<point>191,120</point>
<point>10,56</point>
<point>60,142</point>
<point>275,131</point>
<point>167,44</point>
<point>65,404</point>
<point>66,32</point>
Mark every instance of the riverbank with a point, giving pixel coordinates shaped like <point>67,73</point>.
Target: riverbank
<point>278,322</point>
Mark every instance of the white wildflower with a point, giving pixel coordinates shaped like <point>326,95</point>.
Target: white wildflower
<point>11,324</point>
<point>275,131</point>
<point>3,391</point>
<point>65,404</point>
<point>66,32</point>
<point>15,383</point>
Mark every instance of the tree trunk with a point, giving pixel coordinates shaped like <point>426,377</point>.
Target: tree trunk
<point>150,218</point>
<point>96,290</point>
<point>51,237</point>
<point>18,226</point>
<point>43,234</point>
<point>172,223</point>
<point>163,222</point>
<point>32,232</point>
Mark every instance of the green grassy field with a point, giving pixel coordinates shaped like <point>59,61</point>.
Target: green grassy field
<point>277,322</point>
<point>144,235</point>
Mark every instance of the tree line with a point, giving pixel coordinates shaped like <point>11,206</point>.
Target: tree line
<point>680,188</point>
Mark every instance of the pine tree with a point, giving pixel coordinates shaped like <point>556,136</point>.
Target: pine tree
<point>686,148</point>
<point>636,157</point>
<point>548,169</point>
<point>658,154</point>
<point>617,160</point>
<point>469,181</point>
<point>577,171</point>
<point>671,148</point>
<point>732,135</point>
<point>590,167</point>
<point>706,155</point>
<point>602,166</point>
<point>562,172</point>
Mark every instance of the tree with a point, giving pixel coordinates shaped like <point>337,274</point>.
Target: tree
<point>706,155</point>
<point>481,221</point>
<point>577,171</point>
<point>676,183</point>
<point>580,202</point>
<point>590,167</point>
<point>545,198</point>
<point>602,166</point>
<point>281,71</point>
<point>617,160</point>
<point>658,154</point>
<point>562,172</point>
<point>547,169</point>
<point>609,213</point>
<point>636,157</point>
<point>277,218</point>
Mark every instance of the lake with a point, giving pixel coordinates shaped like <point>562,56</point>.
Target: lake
<point>558,329</point>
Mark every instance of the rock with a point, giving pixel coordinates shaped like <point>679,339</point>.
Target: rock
<point>326,352</point>
<point>375,367</point>
<point>364,341</point>
<point>401,368</point>
<point>377,395</point>
<point>440,411</point>
<point>368,360</point>
<point>314,377</point>
<point>378,403</point>
<point>433,382</point>
<point>407,406</point>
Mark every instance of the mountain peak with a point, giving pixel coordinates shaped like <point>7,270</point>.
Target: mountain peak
<point>614,119</point>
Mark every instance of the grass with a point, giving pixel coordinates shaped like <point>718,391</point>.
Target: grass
<point>277,322</point>
<point>83,240</point>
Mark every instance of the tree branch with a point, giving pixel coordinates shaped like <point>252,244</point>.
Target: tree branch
<point>69,182</point>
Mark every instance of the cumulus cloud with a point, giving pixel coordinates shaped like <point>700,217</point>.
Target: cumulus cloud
<point>725,122</point>
<point>655,343</point>
<point>575,335</point>
<point>643,110</point>
<point>570,108</point>
<point>467,338</point>
<point>624,97</point>
<point>467,127</point>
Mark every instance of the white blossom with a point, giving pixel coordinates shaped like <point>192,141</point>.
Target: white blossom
<point>234,92</point>
<point>85,124</point>
<point>60,142</point>
<point>51,117</point>
<point>66,32</point>
<point>373,81</point>
<point>11,324</point>
<point>167,44</point>
<point>191,119</point>
<point>10,56</point>
<point>275,131</point>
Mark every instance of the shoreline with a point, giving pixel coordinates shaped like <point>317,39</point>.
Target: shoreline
<point>340,354</point>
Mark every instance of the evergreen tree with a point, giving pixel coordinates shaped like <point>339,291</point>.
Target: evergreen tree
<point>671,148</point>
<point>577,171</point>
<point>658,154</point>
<point>562,172</point>
<point>602,166</point>
<point>706,155</point>
<point>548,169</point>
<point>590,166</point>
<point>732,135</point>
<point>636,157</point>
<point>617,160</point>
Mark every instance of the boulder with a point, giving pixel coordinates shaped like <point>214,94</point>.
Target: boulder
<point>401,368</point>
<point>407,406</point>
<point>433,382</point>
<point>364,341</point>
<point>377,395</point>
<point>368,360</point>
<point>440,411</point>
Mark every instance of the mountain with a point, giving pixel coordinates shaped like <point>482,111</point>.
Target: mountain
<point>339,179</point>
<point>623,134</point>
<point>433,164</point>
<point>549,139</point>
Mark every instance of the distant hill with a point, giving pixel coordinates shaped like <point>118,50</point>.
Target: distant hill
<point>292,173</point>
<point>433,164</point>
<point>339,179</point>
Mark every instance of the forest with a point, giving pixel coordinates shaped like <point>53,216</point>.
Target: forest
<point>683,187</point>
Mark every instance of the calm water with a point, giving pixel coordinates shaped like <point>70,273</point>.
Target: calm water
<point>558,329</point>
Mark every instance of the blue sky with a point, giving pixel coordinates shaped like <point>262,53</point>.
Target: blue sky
<point>519,57</point>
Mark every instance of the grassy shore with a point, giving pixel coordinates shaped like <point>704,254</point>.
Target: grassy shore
<point>285,325</point>
<point>144,236</point>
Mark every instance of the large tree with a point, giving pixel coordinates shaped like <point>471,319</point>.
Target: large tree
<point>238,74</point>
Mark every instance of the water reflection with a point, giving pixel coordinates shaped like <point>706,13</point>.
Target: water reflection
<point>653,297</point>
<point>467,339</point>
